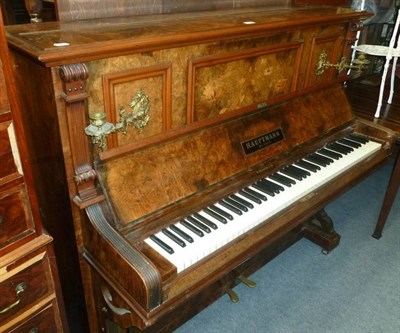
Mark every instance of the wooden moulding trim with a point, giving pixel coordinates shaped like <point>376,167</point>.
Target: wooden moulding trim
<point>235,56</point>
<point>111,80</point>
<point>74,79</point>
<point>144,269</point>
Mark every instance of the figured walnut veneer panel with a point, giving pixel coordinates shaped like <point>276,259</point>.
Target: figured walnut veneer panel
<point>120,87</point>
<point>227,82</point>
<point>148,180</point>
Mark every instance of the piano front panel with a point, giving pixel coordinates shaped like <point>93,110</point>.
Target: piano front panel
<point>202,82</point>
<point>175,169</point>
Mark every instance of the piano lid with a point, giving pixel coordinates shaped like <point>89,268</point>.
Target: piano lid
<point>147,180</point>
<point>55,43</point>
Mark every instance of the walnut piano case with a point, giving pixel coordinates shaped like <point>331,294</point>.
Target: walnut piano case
<point>163,117</point>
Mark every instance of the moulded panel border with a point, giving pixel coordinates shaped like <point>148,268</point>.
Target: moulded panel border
<point>112,79</point>
<point>313,59</point>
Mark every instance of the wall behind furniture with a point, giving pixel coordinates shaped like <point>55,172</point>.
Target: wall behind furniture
<point>69,10</point>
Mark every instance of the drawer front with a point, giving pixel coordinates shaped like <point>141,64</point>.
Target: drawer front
<point>43,322</point>
<point>24,284</point>
<point>8,152</point>
<point>15,218</point>
<point>4,104</point>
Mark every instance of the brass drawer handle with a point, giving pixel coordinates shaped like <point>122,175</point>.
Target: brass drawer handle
<point>19,289</point>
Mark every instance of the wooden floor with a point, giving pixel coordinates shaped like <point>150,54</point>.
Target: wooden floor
<point>364,99</point>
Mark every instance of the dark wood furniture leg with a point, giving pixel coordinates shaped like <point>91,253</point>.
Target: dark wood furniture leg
<point>390,195</point>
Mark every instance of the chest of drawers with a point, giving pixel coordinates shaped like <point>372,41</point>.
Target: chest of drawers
<point>30,298</point>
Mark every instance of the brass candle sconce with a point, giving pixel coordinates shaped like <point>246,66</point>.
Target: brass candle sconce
<point>137,117</point>
<point>359,64</point>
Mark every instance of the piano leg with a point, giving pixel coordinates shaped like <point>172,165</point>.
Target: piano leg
<point>319,229</point>
<point>390,195</point>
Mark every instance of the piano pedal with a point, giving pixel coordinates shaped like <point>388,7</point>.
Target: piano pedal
<point>232,295</point>
<point>249,283</point>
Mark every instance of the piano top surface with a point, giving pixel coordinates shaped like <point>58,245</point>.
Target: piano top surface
<point>54,43</point>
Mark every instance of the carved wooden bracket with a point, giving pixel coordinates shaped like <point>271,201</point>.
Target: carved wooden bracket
<point>74,78</point>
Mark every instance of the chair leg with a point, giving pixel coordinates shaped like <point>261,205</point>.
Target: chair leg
<point>382,88</point>
<point>390,195</point>
<point>394,65</point>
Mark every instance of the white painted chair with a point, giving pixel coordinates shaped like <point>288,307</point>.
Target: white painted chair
<point>390,52</point>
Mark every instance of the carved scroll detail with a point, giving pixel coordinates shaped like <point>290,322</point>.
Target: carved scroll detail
<point>85,177</point>
<point>74,78</point>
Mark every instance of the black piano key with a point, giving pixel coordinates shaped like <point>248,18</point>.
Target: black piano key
<point>339,148</point>
<point>230,207</point>
<point>241,201</point>
<point>250,197</point>
<point>236,204</point>
<point>291,173</point>
<point>330,153</point>
<point>274,187</point>
<point>198,224</point>
<point>325,159</point>
<point>264,187</point>
<point>358,138</point>
<point>173,237</point>
<point>192,228</point>
<point>181,233</point>
<point>307,165</point>
<point>342,146</point>
<point>216,216</point>
<point>255,194</point>
<point>350,143</point>
<point>221,212</point>
<point>205,221</point>
<point>282,179</point>
<point>301,171</point>
<point>317,159</point>
<point>278,188</point>
<point>160,243</point>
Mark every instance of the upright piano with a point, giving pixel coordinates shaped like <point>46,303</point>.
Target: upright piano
<point>194,147</point>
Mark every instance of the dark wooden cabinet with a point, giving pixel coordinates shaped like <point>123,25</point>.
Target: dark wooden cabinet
<point>31,298</point>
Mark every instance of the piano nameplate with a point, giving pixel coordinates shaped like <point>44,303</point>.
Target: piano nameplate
<point>262,141</point>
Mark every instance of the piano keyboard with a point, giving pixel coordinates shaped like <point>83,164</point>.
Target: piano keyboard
<point>186,242</point>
